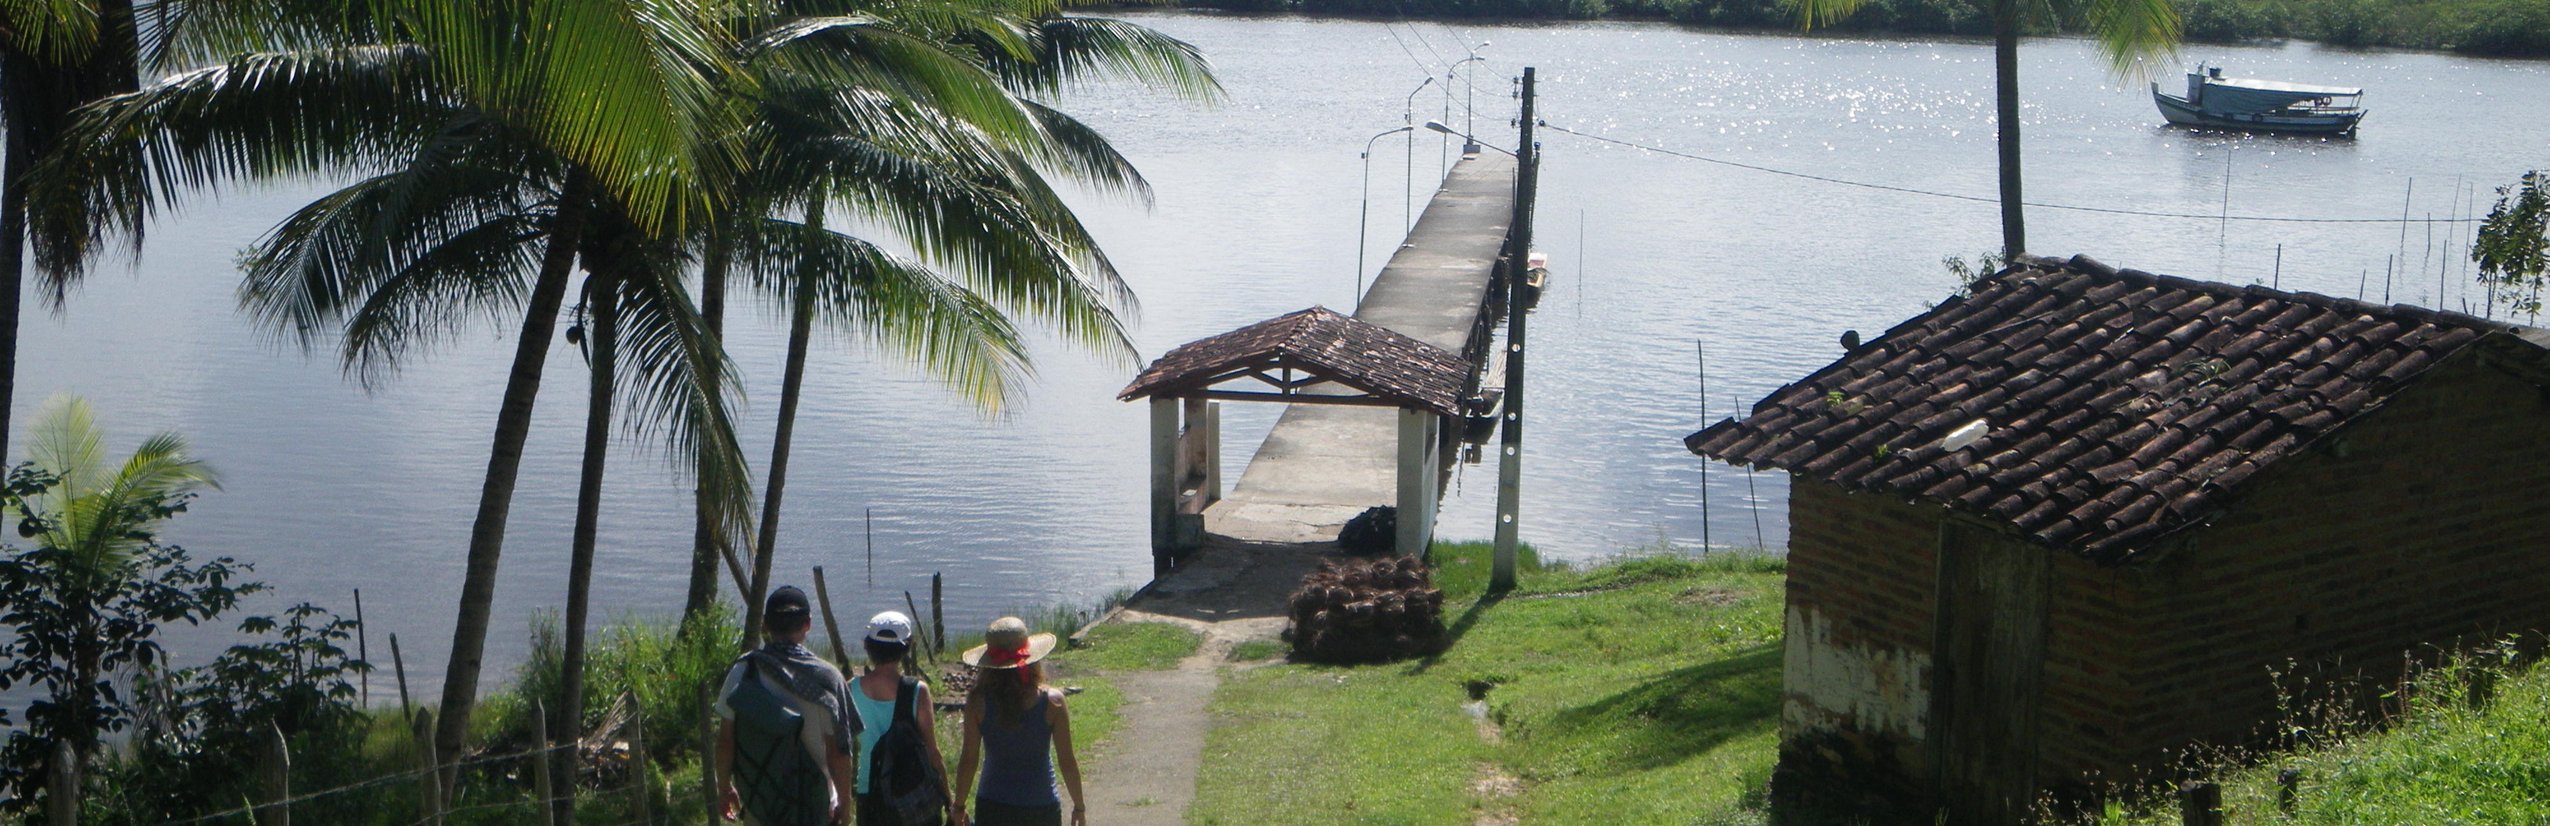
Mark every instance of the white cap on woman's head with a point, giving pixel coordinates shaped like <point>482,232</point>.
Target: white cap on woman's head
<point>890,626</point>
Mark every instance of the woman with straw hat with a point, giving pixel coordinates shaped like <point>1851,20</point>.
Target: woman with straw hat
<point>1013,724</point>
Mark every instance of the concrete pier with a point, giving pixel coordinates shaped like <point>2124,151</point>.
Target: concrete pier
<point>1323,464</point>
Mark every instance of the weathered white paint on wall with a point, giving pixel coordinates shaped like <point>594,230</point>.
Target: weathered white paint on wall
<point>1867,689</point>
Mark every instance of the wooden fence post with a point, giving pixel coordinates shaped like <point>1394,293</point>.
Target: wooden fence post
<point>708,785</point>
<point>429,785</point>
<point>2288,791</point>
<point>2200,804</point>
<point>831,626</point>
<point>925,644</point>
<point>541,786</point>
<point>277,769</point>
<point>62,801</point>
<point>938,622</point>
<point>399,663</point>
<point>637,760</point>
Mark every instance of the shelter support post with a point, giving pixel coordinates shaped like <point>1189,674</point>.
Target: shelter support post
<point>1164,484</point>
<point>1420,478</point>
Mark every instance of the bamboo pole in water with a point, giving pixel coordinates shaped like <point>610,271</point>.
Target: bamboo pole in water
<point>363,647</point>
<point>1701,349</point>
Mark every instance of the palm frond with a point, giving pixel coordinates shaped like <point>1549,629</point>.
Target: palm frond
<point>2128,31</point>
<point>1084,155</point>
<point>902,308</point>
<point>860,52</point>
<point>482,272</point>
<point>256,117</point>
<point>676,373</point>
<point>94,512</point>
<point>54,31</point>
<point>1071,50</point>
<point>319,263</point>
<point>1813,13</point>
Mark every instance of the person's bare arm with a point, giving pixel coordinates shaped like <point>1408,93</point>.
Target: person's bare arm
<point>969,756</point>
<point>1065,762</point>
<point>845,778</point>
<point>731,803</point>
<point>926,714</point>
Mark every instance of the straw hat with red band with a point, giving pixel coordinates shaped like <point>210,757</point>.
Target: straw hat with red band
<point>1008,645</point>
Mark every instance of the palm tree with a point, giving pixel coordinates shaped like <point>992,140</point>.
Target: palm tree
<point>95,523</point>
<point>498,135</point>
<point>969,200</point>
<point>2127,30</point>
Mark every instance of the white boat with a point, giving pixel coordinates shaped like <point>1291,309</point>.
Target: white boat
<point>2218,102</point>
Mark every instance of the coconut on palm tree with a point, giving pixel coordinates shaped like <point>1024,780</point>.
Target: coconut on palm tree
<point>2126,30</point>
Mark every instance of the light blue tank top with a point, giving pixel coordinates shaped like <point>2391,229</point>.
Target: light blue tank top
<point>874,717</point>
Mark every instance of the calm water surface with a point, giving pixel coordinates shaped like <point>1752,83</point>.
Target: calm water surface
<point>329,488</point>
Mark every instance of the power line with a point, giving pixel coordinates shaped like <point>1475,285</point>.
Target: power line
<point>1984,200</point>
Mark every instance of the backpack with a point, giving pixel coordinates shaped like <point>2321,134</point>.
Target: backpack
<point>901,775</point>
<point>781,785</point>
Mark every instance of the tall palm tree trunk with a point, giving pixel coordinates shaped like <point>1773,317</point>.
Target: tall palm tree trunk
<point>603,296</point>
<point>14,163</point>
<point>705,536</point>
<point>2005,89</point>
<point>801,322</point>
<point>504,463</point>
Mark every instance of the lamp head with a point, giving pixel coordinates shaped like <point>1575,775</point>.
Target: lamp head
<point>1437,126</point>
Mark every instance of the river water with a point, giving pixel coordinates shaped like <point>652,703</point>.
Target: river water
<point>329,488</point>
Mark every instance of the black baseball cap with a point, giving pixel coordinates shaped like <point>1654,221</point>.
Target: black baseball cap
<point>787,601</point>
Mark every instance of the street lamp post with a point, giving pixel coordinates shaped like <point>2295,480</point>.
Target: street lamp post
<point>1363,218</point>
<point>1408,123</point>
<point>1469,112</point>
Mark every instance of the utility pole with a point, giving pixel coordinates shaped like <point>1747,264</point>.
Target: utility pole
<point>1509,466</point>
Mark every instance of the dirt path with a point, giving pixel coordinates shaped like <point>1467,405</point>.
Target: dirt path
<point>1233,593</point>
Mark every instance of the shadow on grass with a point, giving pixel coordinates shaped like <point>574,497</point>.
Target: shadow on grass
<point>1681,713</point>
<point>1452,634</point>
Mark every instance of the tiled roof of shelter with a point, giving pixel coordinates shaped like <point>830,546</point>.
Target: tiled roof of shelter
<point>1320,342</point>
<point>2115,407</point>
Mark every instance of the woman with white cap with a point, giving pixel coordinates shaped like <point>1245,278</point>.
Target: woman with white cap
<point>874,696</point>
<point>1018,730</point>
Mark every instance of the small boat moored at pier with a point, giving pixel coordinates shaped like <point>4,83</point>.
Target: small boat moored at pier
<point>2218,102</point>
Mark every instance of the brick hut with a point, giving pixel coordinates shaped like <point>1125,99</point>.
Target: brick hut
<point>2048,535</point>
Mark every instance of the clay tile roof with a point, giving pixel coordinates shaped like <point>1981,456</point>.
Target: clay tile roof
<point>1318,341</point>
<point>2118,406</point>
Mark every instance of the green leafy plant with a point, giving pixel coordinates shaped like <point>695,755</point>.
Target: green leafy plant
<point>2513,251</point>
<point>91,597</point>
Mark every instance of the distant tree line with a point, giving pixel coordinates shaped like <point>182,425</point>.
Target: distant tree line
<point>2481,27</point>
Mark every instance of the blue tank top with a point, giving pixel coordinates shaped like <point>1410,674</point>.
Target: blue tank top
<point>1018,766</point>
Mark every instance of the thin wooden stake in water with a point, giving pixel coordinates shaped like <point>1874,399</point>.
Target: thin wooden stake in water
<point>2387,264</point>
<point>872,549</point>
<point>831,627</point>
<point>363,647</point>
<point>399,664</point>
<point>2404,200</point>
<point>1702,350</point>
<point>1753,500</point>
<point>2279,277</point>
<point>938,622</point>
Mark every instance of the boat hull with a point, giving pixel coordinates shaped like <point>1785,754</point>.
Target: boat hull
<point>2178,111</point>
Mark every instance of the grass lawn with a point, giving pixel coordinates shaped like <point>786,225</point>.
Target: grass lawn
<point>1643,690</point>
<point>2446,760</point>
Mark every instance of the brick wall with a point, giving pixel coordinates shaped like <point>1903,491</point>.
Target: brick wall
<point>2431,525</point>
<point>1862,571</point>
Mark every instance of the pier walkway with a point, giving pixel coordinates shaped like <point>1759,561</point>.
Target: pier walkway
<point>1381,413</point>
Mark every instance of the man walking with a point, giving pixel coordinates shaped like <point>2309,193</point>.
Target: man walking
<point>784,740</point>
